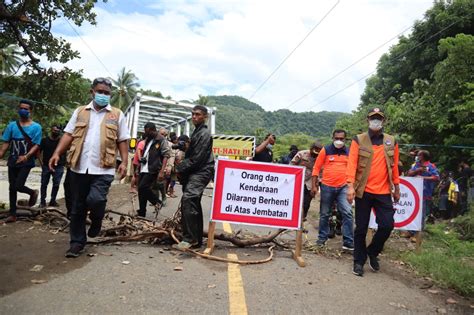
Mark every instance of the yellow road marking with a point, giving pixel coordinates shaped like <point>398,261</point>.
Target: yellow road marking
<point>237,304</point>
<point>226,227</point>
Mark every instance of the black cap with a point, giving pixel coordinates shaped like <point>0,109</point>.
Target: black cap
<point>375,111</point>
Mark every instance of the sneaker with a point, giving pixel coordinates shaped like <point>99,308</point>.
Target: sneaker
<point>33,198</point>
<point>11,219</point>
<point>348,247</point>
<point>164,202</point>
<point>74,252</point>
<point>53,204</point>
<point>94,229</point>
<point>358,270</point>
<point>158,207</point>
<point>374,263</point>
<point>320,243</point>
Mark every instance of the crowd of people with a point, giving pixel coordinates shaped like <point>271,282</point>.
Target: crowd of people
<point>366,174</point>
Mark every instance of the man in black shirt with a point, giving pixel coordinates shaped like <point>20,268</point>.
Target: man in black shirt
<point>47,147</point>
<point>194,173</point>
<point>263,152</point>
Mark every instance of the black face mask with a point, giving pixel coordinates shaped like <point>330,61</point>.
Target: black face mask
<point>150,136</point>
<point>55,134</point>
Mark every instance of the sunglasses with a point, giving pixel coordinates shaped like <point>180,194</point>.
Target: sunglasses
<point>102,81</point>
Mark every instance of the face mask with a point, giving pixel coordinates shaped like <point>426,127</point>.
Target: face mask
<point>338,143</point>
<point>24,113</point>
<point>375,124</point>
<point>55,134</point>
<point>269,146</point>
<point>417,159</point>
<point>101,100</point>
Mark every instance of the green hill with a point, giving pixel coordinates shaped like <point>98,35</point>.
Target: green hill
<point>237,115</point>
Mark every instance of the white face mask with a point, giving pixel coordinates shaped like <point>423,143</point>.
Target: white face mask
<point>338,143</point>
<point>375,124</point>
<point>269,146</point>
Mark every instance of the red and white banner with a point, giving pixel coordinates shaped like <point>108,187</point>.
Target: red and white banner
<point>258,194</point>
<point>408,210</point>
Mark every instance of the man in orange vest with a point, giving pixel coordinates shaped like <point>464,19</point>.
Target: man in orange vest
<point>93,135</point>
<point>373,179</point>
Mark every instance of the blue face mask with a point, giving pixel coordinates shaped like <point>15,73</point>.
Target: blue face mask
<point>101,100</point>
<point>24,113</point>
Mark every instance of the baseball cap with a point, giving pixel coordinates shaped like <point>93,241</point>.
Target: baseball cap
<point>376,111</point>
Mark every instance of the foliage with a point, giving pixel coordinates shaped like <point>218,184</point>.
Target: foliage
<point>124,89</point>
<point>464,225</point>
<point>55,94</point>
<point>10,60</point>
<point>425,84</point>
<point>302,141</point>
<point>446,259</point>
<point>28,24</point>
<point>247,118</point>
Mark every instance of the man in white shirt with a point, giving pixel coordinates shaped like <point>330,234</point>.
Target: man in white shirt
<point>93,135</point>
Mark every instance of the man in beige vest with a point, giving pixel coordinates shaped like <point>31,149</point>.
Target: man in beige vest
<point>372,178</point>
<point>93,135</point>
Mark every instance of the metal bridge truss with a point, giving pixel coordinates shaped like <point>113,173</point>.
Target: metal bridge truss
<point>174,116</point>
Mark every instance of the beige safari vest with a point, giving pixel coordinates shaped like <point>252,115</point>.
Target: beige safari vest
<point>365,160</point>
<point>108,137</point>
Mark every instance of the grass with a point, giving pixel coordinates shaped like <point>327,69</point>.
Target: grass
<point>445,258</point>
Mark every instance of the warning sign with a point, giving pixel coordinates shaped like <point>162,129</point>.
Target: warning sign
<point>223,145</point>
<point>258,194</point>
<point>408,210</point>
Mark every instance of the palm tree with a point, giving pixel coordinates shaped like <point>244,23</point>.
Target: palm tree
<point>125,88</point>
<point>10,60</point>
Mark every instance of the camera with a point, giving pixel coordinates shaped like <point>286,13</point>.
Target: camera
<point>180,145</point>
<point>143,160</point>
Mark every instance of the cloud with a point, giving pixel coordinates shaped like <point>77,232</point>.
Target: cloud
<point>186,48</point>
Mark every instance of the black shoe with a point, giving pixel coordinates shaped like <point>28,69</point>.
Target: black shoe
<point>74,252</point>
<point>53,204</point>
<point>94,229</point>
<point>358,270</point>
<point>348,247</point>
<point>374,263</point>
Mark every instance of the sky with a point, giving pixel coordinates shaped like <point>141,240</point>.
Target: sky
<point>187,48</point>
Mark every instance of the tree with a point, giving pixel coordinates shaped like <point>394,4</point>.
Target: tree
<point>10,60</point>
<point>125,88</point>
<point>203,100</point>
<point>28,24</point>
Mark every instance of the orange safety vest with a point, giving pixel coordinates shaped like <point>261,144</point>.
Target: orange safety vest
<point>365,160</point>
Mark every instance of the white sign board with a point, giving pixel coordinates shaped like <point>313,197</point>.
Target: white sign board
<point>408,210</point>
<point>258,193</point>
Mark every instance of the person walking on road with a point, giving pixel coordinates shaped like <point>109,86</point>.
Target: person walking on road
<point>307,158</point>
<point>152,168</point>
<point>194,173</point>
<point>333,161</point>
<point>93,135</point>
<point>48,146</point>
<point>373,179</point>
<point>23,137</point>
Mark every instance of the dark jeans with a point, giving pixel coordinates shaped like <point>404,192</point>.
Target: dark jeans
<point>45,176</point>
<point>145,193</point>
<point>383,216</point>
<point>17,178</point>
<point>192,221</point>
<point>89,193</point>
<point>329,195</point>
<point>306,201</point>
<point>68,192</point>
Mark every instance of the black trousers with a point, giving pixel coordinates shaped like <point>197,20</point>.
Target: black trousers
<point>306,201</point>
<point>68,192</point>
<point>384,217</point>
<point>17,178</point>
<point>89,193</point>
<point>191,210</point>
<point>145,192</point>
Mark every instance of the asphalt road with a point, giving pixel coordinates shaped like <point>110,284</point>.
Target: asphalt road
<point>149,283</point>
